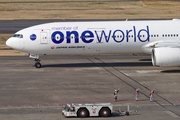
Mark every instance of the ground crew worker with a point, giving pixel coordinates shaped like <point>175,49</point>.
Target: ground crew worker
<point>136,94</point>
<point>151,98</point>
<point>115,94</point>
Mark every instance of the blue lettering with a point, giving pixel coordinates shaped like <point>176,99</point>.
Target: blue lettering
<point>57,37</point>
<point>69,35</point>
<point>99,38</point>
<point>127,35</point>
<point>87,36</point>
<point>134,28</point>
<point>144,32</point>
<point>115,38</point>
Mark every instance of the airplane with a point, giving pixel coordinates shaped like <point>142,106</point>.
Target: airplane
<point>160,38</point>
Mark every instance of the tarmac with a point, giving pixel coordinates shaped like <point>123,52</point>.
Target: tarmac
<point>12,26</point>
<point>28,93</point>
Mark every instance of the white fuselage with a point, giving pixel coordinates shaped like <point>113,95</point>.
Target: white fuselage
<point>94,37</point>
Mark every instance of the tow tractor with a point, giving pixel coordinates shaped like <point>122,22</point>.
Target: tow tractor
<point>90,109</point>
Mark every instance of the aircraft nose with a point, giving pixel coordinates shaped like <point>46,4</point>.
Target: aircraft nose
<point>13,43</point>
<point>9,42</point>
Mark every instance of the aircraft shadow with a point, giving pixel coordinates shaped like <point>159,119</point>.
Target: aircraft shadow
<point>113,64</point>
<point>145,60</point>
<point>171,71</point>
<point>121,115</point>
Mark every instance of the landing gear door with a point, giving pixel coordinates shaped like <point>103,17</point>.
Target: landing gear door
<point>44,37</point>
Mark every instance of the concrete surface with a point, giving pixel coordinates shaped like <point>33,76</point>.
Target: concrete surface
<point>28,93</point>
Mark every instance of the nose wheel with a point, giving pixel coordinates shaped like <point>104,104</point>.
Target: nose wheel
<point>37,63</point>
<point>36,59</point>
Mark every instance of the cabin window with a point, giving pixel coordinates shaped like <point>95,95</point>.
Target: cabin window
<point>18,35</point>
<point>113,36</point>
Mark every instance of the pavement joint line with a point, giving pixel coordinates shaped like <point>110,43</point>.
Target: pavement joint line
<point>60,106</point>
<point>172,114</point>
<point>40,107</point>
<point>28,107</point>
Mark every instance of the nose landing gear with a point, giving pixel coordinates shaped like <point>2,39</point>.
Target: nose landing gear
<point>36,59</point>
<point>37,63</point>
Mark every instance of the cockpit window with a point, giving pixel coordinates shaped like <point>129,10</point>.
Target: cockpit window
<point>18,35</point>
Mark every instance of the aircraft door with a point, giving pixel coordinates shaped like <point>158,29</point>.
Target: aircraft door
<point>44,37</point>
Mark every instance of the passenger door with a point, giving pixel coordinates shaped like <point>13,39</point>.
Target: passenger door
<point>44,37</point>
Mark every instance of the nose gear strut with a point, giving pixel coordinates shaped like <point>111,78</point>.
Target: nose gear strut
<point>36,59</point>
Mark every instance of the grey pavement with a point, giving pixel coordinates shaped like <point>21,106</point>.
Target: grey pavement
<point>28,93</point>
<point>12,26</point>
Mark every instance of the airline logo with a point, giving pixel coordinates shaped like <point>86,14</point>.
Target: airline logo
<point>33,37</point>
<point>88,36</point>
